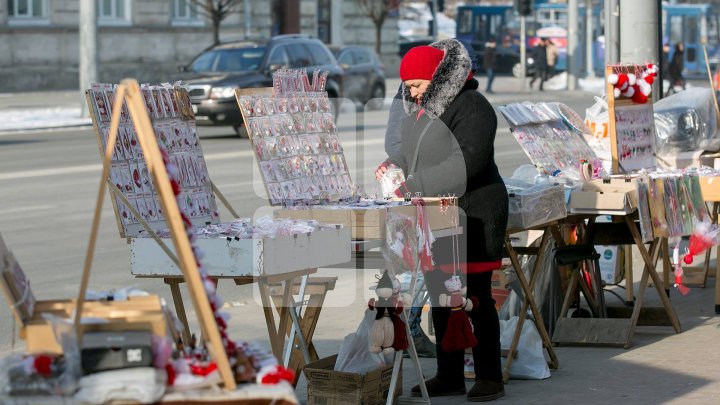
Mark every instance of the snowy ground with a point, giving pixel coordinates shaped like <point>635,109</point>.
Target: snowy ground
<point>17,119</point>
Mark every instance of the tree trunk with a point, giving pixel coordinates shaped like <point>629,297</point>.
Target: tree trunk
<point>216,30</point>
<point>378,36</point>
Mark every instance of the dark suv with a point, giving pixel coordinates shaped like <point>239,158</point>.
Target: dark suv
<point>215,73</point>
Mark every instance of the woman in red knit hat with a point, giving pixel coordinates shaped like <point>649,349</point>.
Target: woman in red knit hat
<point>447,148</point>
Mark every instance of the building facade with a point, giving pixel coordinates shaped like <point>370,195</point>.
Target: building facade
<point>149,39</point>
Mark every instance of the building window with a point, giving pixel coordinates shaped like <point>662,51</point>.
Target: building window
<point>113,12</point>
<point>27,11</point>
<point>185,12</point>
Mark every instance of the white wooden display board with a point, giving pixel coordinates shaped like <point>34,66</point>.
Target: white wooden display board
<point>249,257</point>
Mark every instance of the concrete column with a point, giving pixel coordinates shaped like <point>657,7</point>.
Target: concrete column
<point>88,50</point>
<point>612,32</point>
<point>589,40</point>
<point>336,22</point>
<point>573,50</point>
<point>639,30</point>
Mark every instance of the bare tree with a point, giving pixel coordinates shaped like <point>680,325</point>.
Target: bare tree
<point>216,11</point>
<point>377,10</point>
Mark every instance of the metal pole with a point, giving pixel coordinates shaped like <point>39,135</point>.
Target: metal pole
<point>88,50</point>
<point>434,20</point>
<point>248,17</point>
<point>523,54</point>
<point>572,51</point>
<point>612,37</point>
<point>589,68</point>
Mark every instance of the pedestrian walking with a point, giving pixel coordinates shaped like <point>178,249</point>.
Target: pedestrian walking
<point>539,55</point>
<point>552,55</point>
<point>489,63</point>
<point>675,68</point>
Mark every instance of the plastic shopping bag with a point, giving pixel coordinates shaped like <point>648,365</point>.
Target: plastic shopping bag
<point>596,118</point>
<point>354,355</point>
<point>530,363</point>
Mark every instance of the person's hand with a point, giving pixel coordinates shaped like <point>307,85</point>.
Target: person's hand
<point>382,169</point>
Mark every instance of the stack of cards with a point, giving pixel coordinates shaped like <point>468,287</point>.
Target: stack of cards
<point>174,124</point>
<point>295,141</point>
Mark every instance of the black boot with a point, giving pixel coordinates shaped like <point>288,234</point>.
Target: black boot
<point>486,390</point>
<point>440,388</point>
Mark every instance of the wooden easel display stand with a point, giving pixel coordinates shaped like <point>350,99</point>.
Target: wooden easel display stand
<point>129,91</point>
<point>527,290</point>
<point>257,256</point>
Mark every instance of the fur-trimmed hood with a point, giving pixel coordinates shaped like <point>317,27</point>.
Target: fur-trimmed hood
<point>447,81</point>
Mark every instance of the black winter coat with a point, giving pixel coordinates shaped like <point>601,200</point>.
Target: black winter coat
<point>453,139</point>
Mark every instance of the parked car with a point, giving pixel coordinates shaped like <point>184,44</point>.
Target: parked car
<point>213,75</point>
<point>364,75</point>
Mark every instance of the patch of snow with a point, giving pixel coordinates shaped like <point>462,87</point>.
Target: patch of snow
<point>38,118</point>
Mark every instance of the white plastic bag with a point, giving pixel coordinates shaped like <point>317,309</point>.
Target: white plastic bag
<point>354,355</point>
<point>596,118</point>
<point>530,363</point>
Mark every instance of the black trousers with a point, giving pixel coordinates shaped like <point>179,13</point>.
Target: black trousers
<point>486,329</point>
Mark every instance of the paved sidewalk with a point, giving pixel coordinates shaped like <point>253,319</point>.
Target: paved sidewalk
<point>661,367</point>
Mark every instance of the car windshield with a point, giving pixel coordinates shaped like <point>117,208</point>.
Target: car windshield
<point>229,60</point>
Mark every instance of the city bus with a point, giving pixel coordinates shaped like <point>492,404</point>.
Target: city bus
<point>693,24</point>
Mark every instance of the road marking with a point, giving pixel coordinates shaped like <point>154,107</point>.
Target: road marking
<point>50,172</point>
<point>27,209</point>
<point>25,174</point>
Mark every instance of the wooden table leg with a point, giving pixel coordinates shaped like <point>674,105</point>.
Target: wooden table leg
<point>629,286</point>
<point>650,268</point>
<point>174,284</point>
<point>269,318</point>
<point>717,280</point>
<point>666,265</point>
<point>528,300</point>
<point>706,266</point>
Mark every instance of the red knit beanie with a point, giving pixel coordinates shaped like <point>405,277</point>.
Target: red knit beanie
<point>420,63</point>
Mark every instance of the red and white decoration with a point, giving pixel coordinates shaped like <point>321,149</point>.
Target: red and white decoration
<point>633,82</point>
<point>195,365</point>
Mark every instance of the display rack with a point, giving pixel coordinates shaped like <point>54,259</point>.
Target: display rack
<point>263,260</point>
<point>129,91</point>
<point>631,126</point>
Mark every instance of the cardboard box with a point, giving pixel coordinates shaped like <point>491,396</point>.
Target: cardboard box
<point>368,223</point>
<point>619,194</point>
<point>710,187</point>
<point>499,287</point>
<point>329,387</point>
<point>136,314</point>
<point>683,160</point>
<point>610,263</point>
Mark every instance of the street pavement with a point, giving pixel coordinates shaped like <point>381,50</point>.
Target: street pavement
<point>48,186</point>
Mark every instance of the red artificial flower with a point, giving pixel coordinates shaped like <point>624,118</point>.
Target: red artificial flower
<point>43,365</point>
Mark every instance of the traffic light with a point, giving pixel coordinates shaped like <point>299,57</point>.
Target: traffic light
<point>523,7</point>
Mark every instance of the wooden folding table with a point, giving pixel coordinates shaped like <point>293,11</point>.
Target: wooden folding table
<point>616,331</point>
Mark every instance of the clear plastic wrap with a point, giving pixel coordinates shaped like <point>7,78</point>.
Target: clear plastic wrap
<point>391,181</point>
<point>401,249</point>
<point>532,205</point>
<point>40,374</point>
<point>686,122</point>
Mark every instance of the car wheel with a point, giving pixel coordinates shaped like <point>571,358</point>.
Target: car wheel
<point>517,70</point>
<point>377,99</point>
<point>241,131</point>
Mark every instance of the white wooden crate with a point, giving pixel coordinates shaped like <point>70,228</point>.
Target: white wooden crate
<point>248,257</point>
